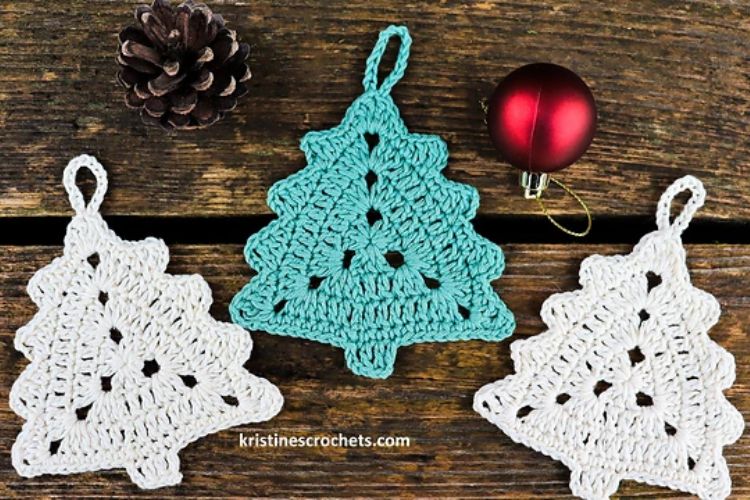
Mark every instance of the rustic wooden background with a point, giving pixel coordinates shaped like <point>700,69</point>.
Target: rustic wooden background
<point>672,80</point>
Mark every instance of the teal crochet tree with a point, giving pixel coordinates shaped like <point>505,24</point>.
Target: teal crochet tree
<point>373,248</point>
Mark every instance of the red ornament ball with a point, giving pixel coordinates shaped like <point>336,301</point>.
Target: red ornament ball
<point>541,117</point>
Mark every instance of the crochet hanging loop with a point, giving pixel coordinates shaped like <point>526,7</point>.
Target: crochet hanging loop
<point>370,81</point>
<point>74,193</point>
<point>534,184</point>
<point>681,222</point>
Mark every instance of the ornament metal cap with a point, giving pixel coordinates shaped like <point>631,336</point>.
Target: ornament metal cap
<point>533,184</point>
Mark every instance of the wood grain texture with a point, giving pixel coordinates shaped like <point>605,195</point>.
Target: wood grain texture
<point>672,80</point>
<point>453,452</point>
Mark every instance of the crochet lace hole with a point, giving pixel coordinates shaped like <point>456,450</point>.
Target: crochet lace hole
<point>315,282</point>
<point>372,141</point>
<point>371,178</point>
<point>669,429</point>
<point>150,367</point>
<point>523,412</point>
<point>83,412</point>
<point>394,259</point>
<point>279,306</point>
<point>231,400</point>
<point>644,315</point>
<point>103,298</point>
<point>643,399</point>
<point>348,256</point>
<point>465,313</point>
<point>189,381</point>
<point>373,216</point>
<point>653,280</point>
<point>54,446</point>
<point>431,283</point>
<point>106,384</point>
<point>93,260</point>
<point>601,387</point>
<point>115,335</point>
<point>690,463</point>
<point>636,355</point>
<point>562,398</point>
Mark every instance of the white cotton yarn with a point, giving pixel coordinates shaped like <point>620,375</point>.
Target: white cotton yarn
<point>127,366</point>
<point>626,383</point>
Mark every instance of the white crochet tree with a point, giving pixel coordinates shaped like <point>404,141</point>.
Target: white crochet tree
<point>626,383</point>
<point>127,366</point>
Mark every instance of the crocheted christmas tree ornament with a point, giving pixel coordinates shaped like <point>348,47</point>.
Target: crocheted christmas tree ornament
<point>373,248</point>
<point>127,366</point>
<point>626,383</point>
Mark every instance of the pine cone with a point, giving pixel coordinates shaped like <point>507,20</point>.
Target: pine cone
<point>181,66</point>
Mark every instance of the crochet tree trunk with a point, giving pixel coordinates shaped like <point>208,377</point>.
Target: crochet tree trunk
<point>373,248</point>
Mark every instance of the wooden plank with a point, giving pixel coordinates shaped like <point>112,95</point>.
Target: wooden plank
<point>672,81</point>
<point>453,451</point>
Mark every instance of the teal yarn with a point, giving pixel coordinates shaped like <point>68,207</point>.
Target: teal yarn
<point>373,247</point>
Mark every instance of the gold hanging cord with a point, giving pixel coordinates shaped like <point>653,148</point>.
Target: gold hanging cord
<point>577,234</point>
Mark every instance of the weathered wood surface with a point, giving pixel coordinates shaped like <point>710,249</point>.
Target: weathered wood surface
<point>454,451</point>
<point>672,80</point>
